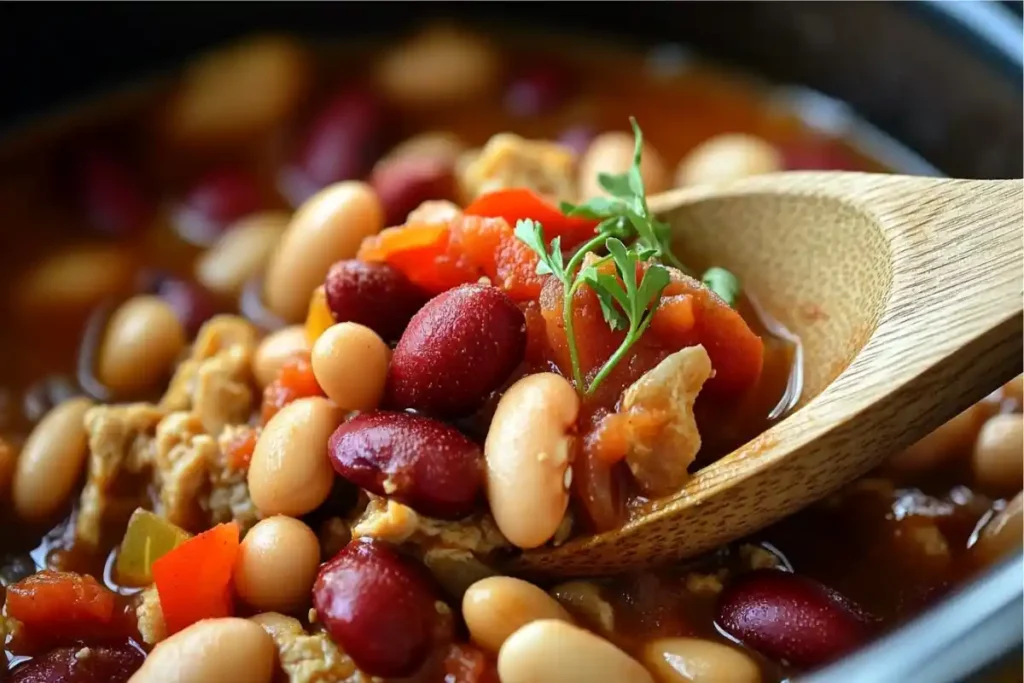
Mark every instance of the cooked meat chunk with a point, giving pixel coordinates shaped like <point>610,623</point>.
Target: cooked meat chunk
<point>150,617</point>
<point>666,393</point>
<point>508,161</point>
<point>308,658</point>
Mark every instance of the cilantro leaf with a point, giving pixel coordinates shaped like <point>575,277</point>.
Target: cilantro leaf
<point>723,283</point>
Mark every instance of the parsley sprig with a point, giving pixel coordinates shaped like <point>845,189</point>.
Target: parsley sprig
<point>624,218</point>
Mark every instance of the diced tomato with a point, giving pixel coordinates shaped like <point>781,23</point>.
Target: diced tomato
<point>194,580</point>
<point>421,251</point>
<point>239,447</point>
<point>295,381</point>
<point>521,203</point>
<point>491,245</point>
<point>62,605</point>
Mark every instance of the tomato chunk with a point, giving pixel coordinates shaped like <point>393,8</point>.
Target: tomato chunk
<point>294,381</point>
<point>521,203</point>
<point>194,580</point>
<point>423,253</point>
<point>62,604</point>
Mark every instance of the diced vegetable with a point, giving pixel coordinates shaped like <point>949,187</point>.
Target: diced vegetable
<point>521,203</point>
<point>319,317</point>
<point>61,604</point>
<point>422,252</point>
<point>148,538</point>
<point>295,381</point>
<point>239,447</point>
<point>194,580</point>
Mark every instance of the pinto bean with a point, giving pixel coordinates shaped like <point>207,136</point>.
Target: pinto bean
<point>212,651</point>
<point>495,607</point>
<point>290,473</point>
<point>329,227</point>
<point>554,651</point>
<point>51,461</point>
<point>529,450</point>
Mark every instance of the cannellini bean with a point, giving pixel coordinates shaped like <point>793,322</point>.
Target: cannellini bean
<point>74,279</point>
<point>350,363</point>
<point>328,227</point>
<point>952,439</point>
<point>728,157</point>
<point>290,473</point>
<point>51,461</point>
<point>438,67</point>
<point>144,338</point>
<point>613,153</point>
<point>529,449</point>
<point>695,660</point>
<point>277,564</point>
<point>553,651</point>
<point>241,253</point>
<point>495,607</point>
<point>275,349</point>
<point>1002,534</point>
<point>212,651</point>
<point>238,92</point>
<point>998,458</point>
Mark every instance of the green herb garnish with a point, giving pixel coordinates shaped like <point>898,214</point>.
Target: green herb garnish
<point>625,304</point>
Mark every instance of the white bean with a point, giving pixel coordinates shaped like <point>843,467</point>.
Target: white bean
<point>51,461</point>
<point>553,651</point>
<point>529,449</point>
<point>241,253</point>
<point>328,227</point>
<point>350,363</point>
<point>695,660</point>
<point>212,651</point>
<point>290,472</point>
<point>728,157</point>
<point>275,349</point>
<point>495,607</point>
<point>144,338</point>
<point>74,279</point>
<point>277,564</point>
<point>613,153</point>
<point>998,457</point>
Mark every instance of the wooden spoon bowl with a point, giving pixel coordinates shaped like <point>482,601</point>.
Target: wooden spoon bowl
<point>906,294</point>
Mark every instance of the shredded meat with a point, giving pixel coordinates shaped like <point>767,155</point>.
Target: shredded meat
<point>508,160</point>
<point>173,447</point>
<point>308,658</point>
<point>150,617</point>
<point>659,461</point>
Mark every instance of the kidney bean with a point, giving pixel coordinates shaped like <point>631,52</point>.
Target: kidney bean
<point>372,294</point>
<point>421,462</point>
<point>104,664</point>
<point>538,90</point>
<point>111,194</point>
<point>791,618</point>
<point>217,200</point>
<point>462,345</point>
<point>340,144</point>
<point>378,607</point>
<point>404,184</point>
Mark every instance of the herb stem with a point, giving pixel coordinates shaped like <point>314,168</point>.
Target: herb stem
<point>631,338</point>
<point>568,291</point>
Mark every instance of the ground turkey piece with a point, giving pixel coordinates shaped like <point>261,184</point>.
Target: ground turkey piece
<point>308,658</point>
<point>150,617</point>
<point>509,161</point>
<point>174,446</point>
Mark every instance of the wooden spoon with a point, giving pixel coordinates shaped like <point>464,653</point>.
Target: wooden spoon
<point>907,296</point>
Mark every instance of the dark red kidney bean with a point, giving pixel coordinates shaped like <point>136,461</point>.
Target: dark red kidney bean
<point>340,144</point>
<point>538,90</point>
<point>426,464</point>
<point>372,294</point>
<point>104,664</point>
<point>110,193</point>
<point>379,607</point>
<point>193,303</point>
<point>404,184</point>
<point>791,618</point>
<point>215,202</point>
<point>577,138</point>
<point>462,345</point>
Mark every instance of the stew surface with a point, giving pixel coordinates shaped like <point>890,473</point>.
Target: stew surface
<point>304,342</point>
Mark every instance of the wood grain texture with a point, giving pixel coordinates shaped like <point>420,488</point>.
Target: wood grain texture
<point>907,295</point>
